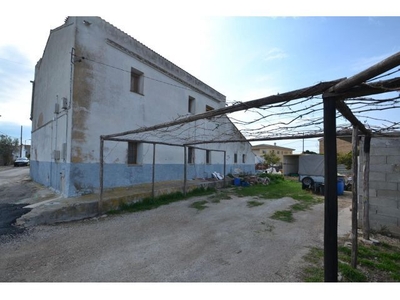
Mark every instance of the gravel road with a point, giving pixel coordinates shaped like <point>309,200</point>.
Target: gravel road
<point>226,242</point>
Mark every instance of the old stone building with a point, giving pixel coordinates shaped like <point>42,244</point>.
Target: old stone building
<point>94,79</point>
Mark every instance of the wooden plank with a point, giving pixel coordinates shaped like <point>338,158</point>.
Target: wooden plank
<point>354,207</point>
<point>347,113</point>
<point>373,71</point>
<point>366,224</point>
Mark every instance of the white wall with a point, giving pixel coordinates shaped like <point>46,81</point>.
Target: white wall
<point>100,103</point>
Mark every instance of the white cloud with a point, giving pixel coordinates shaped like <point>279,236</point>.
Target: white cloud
<point>274,54</point>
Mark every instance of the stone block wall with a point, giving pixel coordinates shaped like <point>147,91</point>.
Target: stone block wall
<point>384,181</point>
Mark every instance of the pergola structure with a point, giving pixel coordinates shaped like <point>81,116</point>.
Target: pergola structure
<point>334,93</point>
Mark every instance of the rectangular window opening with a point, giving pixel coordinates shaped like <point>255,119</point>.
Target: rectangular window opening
<point>244,158</point>
<point>191,155</point>
<point>191,105</point>
<point>208,157</point>
<point>137,81</point>
<point>132,153</point>
<point>235,156</point>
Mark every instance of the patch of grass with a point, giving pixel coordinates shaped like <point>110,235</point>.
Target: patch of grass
<point>315,255</point>
<point>152,203</point>
<point>376,263</point>
<point>273,178</point>
<point>218,196</point>
<point>313,274</point>
<point>199,205</point>
<point>251,191</point>
<point>350,274</point>
<point>254,203</point>
<point>315,271</point>
<point>283,215</point>
<point>278,189</point>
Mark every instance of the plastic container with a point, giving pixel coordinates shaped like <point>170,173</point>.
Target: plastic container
<point>237,181</point>
<point>340,186</point>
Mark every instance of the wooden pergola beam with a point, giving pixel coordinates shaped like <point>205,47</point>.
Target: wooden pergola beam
<point>377,69</point>
<point>310,91</point>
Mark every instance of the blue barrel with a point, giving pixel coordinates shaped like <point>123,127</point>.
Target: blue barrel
<point>340,186</point>
<point>236,181</point>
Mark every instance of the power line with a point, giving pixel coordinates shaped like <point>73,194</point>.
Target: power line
<point>129,72</point>
<point>15,62</point>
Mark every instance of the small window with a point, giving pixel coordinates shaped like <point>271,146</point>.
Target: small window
<point>136,81</point>
<point>235,158</point>
<point>191,155</point>
<point>191,105</point>
<point>208,157</point>
<point>132,153</point>
<point>244,158</point>
<point>208,108</point>
<point>263,152</point>
<point>277,152</point>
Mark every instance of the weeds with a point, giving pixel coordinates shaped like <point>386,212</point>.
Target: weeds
<point>218,196</point>
<point>283,215</point>
<point>376,263</point>
<point>152,203</point>
<point>199,205</point>
<point>254,203</point>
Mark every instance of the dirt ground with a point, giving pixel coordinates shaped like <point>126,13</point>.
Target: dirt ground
<point>226,242</point>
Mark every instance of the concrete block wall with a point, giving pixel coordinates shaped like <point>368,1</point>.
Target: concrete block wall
<point>384,180</point>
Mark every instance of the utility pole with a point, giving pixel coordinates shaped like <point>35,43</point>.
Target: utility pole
<point>20,147</point>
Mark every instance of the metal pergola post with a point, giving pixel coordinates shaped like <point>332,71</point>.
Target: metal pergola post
<point>224,168</point>
<point>100,204</point>
<point>184,170</point>
<point>153,171</point>
<point>331,202</point>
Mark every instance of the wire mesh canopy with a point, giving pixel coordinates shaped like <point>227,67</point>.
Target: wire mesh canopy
<point>295,114</point>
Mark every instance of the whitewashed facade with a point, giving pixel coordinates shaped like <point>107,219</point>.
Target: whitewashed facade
<point>94,79</point>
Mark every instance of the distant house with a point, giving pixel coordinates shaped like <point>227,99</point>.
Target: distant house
<point>93,79</point>
<point>260,150</point>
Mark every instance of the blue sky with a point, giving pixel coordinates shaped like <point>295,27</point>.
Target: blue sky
<point>243,52</point>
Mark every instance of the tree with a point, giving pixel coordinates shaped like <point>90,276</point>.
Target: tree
<point>309,152</point>
<point>345,159</point>
<point>271,159</point>
<point>7,147</point>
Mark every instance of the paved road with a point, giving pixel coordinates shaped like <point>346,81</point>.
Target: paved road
<point>15,192</point>
<point>11,175</point>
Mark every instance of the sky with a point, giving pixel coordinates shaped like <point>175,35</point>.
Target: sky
<point>243,51</point>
